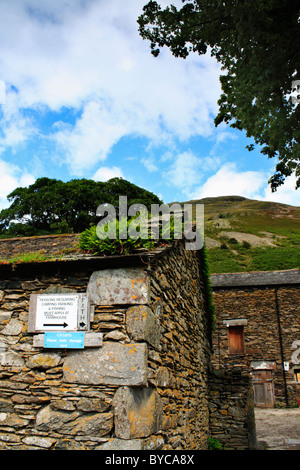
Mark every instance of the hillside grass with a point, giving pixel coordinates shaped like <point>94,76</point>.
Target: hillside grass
<point>278,223</point>
<point>252,259</point>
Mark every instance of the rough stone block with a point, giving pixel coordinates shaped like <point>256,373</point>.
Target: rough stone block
<point>162,377</point>
<point>143,325</point>
<point>13,328</point>
<point>138,412</point>
<point>121,444</point>
<point>113,364</point>
<point>11,359</point>
<point>12,420</point>
<point>97,424</point>
<point>4,315</point>
<point>150,443</point>
<point>119,287</point>
<point>43,361</point>
<point>44,442</point>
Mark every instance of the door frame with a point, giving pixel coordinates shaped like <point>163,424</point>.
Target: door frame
<point>263,383</point>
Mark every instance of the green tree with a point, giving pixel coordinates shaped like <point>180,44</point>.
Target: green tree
<point>52,206</point>
<point>258,44</point>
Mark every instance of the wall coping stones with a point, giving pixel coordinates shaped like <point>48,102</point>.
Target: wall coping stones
<point>254,279</point>
<point>58,245</point>
<point>68,263</point>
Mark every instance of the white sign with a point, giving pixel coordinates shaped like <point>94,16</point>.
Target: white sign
<point>56,312</point>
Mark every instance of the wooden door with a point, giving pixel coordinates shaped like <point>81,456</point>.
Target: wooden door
<point>263,387</point>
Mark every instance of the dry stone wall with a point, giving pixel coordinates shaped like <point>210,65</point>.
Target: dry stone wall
<point>146,387</point>
<point>231,405</point>
<point>180,366</point>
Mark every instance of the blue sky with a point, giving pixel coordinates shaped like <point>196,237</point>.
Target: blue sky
<point>82,97</point>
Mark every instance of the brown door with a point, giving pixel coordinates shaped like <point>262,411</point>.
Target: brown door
<point>263,387</point>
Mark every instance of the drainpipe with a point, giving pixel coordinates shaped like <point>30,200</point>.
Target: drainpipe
<point>281,347</point>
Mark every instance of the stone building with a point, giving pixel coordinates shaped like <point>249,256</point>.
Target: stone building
<point>258,330</point>
<point>142,377</point>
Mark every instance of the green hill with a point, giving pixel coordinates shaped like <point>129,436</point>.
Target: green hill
<point>248,235</point>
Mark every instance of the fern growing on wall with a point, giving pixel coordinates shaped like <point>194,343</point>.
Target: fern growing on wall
<point>90,242</point>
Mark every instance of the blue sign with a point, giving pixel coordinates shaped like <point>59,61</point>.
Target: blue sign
<point>72,340</point>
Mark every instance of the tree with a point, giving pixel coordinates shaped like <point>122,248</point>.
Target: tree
<point>258,45</point>
<point>52,206</point>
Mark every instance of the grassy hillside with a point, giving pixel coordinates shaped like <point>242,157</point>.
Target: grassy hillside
<point>247,235</point>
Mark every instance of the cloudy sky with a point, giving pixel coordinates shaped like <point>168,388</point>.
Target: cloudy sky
<point>82,97</point>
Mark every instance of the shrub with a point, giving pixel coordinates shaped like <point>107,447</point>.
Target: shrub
<point>215,444</point>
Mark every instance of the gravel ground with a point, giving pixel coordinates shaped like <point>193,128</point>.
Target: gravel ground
<point>278,429</point>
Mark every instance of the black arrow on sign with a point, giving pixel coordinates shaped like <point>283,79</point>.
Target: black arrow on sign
<point>82,324</point>
<point>56,324</point>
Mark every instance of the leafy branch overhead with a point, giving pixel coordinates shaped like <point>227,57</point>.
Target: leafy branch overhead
<point>258,45</point>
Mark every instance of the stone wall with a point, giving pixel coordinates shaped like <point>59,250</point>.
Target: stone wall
<point>269,304</point>
<point>232,420</point>
<point>146,387</point>
<point>63,245</point>
<point>184,355</point>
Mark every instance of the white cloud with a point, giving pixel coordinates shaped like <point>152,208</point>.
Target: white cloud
<point>149,163</point>
<point>286,194</point>
<point>184,171</point>
<point>11,177</point>
<point>89,56</point>
<point>90,139</point>
<point>188,169</point>
<point>105,173</point>
<point>2,92</point>
<point>228,181</point>
<point>16,129</point>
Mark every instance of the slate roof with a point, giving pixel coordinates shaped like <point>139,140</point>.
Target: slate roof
<point>259,278</point>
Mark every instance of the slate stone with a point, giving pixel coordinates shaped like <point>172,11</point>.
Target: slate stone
<point>11,359</point>
<point>13,328</point>
<point>121,444</point>
<point>162,377</point>
<point>138,412</point>
<point>43,361</point>
<point>113,364</point>
<point>44,442</point>
<point>143,325</point>
<point>74,423</point>
<point>12,420</point>
<point>119,287</point>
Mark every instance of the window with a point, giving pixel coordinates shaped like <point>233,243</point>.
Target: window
<point>236,339</point>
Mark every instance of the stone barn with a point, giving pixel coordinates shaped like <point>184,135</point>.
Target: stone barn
<point>258,330</point>
<point>112,353</point>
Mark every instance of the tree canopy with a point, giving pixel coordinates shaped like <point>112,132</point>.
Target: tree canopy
<point>258,45</point>
<point>53,206</point>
